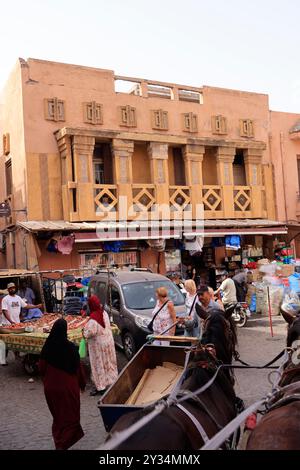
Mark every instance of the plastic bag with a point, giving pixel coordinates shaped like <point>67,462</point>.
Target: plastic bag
<point>82,348</point>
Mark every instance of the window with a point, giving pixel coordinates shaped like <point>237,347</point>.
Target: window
<point>219,124</point>
<point>98,171</point>
<point>246,128</point>
<point>190,122</point>
<point>141,295</point>
<point>54,109</point>
<point>190,95</point>
<point>160,119</point>
<point>92,113</point>
<point>115,300</point>
<point>6,144</point>
<point>127,116</point>
<point>159,91</point>
<point>8,176</point>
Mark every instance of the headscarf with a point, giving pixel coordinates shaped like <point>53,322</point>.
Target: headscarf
<point>58,351</point>
<point>96,310</point>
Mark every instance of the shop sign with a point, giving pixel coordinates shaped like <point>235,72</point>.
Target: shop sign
<point>5,209</point>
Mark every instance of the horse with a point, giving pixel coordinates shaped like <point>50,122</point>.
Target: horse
<point>202,415</point>
<point>279,429</point>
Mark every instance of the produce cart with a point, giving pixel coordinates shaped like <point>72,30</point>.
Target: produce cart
<point>30,343</point>
<point>150,375</point>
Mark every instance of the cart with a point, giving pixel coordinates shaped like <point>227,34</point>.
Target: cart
<point>120,398</point>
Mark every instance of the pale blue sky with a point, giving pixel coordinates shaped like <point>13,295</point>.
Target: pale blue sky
<point>248,45</point>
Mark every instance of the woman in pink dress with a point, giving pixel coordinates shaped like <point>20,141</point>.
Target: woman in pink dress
<point>165,317</point>
<point>101,347</point>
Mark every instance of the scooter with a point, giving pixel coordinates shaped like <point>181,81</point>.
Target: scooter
<point>239,313</point>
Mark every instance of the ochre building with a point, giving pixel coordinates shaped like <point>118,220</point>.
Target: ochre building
<point>80,142</point>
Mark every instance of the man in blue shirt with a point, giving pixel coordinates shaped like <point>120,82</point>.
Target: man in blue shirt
<point>206,300</point>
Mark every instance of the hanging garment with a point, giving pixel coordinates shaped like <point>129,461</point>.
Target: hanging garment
<point>52,246</point>
<point>194,244</point>
<point>65,244</point>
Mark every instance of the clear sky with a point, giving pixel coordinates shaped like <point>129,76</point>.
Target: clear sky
<point>248,45</point>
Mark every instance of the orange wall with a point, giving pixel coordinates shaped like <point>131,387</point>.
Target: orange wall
<point>141,171</point>
<point>12,122</point>
<point>209,167</point>
<point>284,157</point>
<point>78,84</point>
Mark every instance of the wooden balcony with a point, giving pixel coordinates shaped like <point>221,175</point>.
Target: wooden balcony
<point>92,202</point>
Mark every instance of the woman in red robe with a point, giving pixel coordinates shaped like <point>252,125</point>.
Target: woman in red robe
<point>63,379</point>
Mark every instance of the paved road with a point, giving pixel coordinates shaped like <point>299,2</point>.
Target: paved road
<point>26,421</point>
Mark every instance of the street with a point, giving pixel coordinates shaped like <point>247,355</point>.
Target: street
<point>26,420</point>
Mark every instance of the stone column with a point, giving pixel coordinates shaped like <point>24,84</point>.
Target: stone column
<point>253,166</point>
<point>225,158</point>
<point>83,150</point>
<point>122,152</point>
<point>69,186</point>
<point>193,158</point>
<point>158,154</point>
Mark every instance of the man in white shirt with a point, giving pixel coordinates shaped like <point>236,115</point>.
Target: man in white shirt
<point>11,306</point>
<point>228,290</point>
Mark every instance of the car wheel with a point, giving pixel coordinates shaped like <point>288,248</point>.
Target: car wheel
<point>129,345</point>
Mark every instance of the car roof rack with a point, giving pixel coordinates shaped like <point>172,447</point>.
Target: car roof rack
<point>147,270</point>
<point>106,271</point>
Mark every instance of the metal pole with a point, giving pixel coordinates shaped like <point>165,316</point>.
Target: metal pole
<point>270,311</point>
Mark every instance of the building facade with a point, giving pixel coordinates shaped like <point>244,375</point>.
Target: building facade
<point>84,148</point>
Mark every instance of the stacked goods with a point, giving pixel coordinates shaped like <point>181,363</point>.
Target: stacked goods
<point>45,323</point>
<point>276,297</point>
<point>260,290</point>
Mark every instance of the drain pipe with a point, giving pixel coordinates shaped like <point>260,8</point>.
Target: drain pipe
<point>283,172</point>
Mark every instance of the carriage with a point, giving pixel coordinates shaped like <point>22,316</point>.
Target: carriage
<point>152,374</point>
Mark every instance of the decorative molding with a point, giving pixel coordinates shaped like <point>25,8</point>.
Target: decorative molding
<point>246,128</point>
<point>159,119</point>
<point>54,109</point>
<point>157,151</point>
<point>127,116</point>
<point>93,113</point>
<point>219,124</point>
<point>190,122</point>
<point>6,143</point>
<point>160,172</point>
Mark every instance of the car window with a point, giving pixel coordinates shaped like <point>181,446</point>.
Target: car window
<point>113,295</point>
<point>141,295</point>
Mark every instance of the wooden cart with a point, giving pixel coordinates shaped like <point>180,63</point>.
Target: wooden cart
<point>130,381</point>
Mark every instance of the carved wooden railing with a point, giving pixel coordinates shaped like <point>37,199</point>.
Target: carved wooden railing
<point>105,198</point>
<point>143,197</point>
<point>179,198</point>
<point>242,200</point>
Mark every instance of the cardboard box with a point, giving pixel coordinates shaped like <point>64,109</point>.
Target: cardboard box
<point>286,270</point>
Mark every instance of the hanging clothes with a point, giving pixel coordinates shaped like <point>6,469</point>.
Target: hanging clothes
<point>65,244</point>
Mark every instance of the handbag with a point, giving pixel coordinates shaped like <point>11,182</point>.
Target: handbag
<point>82,348</point>
<point>150,325</point>
<point>190,324</point>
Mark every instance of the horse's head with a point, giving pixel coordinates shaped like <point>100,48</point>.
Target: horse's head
<point>293,322</point>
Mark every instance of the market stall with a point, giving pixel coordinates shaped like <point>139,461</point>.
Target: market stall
<point>29,338</point>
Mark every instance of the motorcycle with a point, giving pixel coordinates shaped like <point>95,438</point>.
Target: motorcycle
<point>239,312</point>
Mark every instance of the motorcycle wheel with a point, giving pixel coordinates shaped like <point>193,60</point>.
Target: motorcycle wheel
<point>240,318</point>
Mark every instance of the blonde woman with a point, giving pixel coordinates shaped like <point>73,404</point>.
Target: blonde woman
<point>191,322</point>
<point>165,316</point>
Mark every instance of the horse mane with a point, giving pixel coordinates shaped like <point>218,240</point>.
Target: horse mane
<point>293,332</point>
<point>203,367</point>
